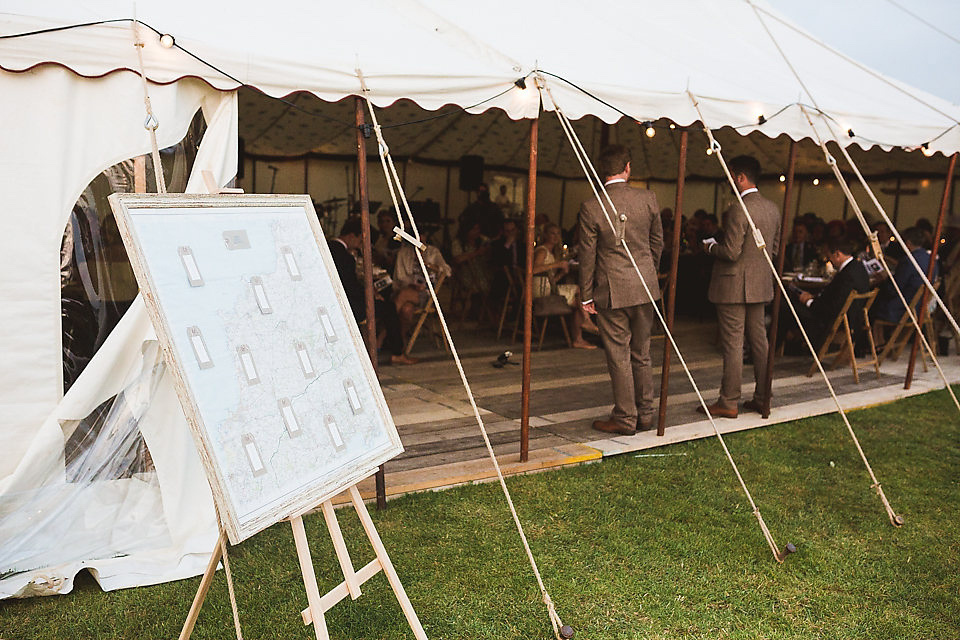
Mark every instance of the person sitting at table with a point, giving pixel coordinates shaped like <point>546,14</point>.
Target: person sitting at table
<point>818,312</point>
<point>342,249</point>
<point>469,253</point>
<point>385,247</point>
<point>888,306</point>
<point>410,286</point>
<point>800,252</point>
<point>547,269</point>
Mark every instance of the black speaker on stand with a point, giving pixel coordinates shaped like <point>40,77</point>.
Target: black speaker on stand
<point>471,172</point>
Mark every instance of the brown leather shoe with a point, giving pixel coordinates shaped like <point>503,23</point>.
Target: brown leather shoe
<point>645,424</point>
<point>753,405</point>
<point>609,426</point>
<point>719,412</point>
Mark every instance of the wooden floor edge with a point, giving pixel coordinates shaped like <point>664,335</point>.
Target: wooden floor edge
<point>551,458</point>
<point>547,459</point>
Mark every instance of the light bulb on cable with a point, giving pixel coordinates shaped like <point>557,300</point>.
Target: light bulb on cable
<point>167,41</point>
<point>709,151</point>
<point>783,178</point>
<point>650,131</point>
<point>816,181</point>
<point>926,150</point>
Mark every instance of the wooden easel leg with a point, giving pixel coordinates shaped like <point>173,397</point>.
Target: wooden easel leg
<point>198,599</point>
<point>340,547</point>
<point>309,578</point>
<point>385,563</point>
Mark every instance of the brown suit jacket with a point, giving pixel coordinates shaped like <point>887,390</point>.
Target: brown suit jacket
<point>741,274</point>
<point>606,275</point>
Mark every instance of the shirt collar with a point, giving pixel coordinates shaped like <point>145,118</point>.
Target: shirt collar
<point>845,263</point>
<point>750,190</point>
<point>612,181</point>
<point>342,242</point>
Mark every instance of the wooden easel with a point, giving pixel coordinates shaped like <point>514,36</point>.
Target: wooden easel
<point>318,605</point>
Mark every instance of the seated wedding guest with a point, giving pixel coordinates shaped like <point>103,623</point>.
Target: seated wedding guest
<point>342,249</point>
<point>385,248</point>
<point>469,253</point>
<point>800,252</point>
<point>888,306</point>
<point>818,312</point>
<point>508,249</point>
<point>548,269</point>
<point>410,286</point>
<point>507,253</point>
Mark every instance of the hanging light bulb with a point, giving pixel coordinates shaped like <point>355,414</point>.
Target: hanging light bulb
<point>649,131</point>
<point>783,178</point>
<point>926,150</point>
<point>167,41</point>
<point>709,151</point>
<point>673,126</point>
<point>816,181</point>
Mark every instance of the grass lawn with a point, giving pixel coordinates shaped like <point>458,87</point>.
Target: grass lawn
<point>632,547</point>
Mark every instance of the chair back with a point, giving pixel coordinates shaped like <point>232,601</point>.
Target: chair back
<point>855,309</point>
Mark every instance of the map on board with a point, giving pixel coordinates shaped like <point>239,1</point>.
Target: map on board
<point>288,408</point>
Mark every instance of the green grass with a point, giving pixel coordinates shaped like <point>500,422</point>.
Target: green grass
<point>649,547</point>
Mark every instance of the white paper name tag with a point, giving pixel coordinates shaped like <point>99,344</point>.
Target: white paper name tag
<point>327,324</point>
<point>253,454</point>
<point>289,417</point>
<point>304,357</point>
<point>246,363</point>
<point>261,295</point>
<point>291,263</point>
<point>199,347</point>
<point>352,396</point>
<point>190,265</point>
<point>334,430</point>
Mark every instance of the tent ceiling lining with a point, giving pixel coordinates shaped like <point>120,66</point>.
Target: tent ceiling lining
<point>272,129</point>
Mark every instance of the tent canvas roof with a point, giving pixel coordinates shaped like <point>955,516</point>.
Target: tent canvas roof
<point>738,57</point>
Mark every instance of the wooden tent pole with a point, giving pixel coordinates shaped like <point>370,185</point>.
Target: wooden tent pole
<point>368,267</point>
<point>672,282</point>
<point>948,180</point>
<point>775,311</point>
<point>528,293</point>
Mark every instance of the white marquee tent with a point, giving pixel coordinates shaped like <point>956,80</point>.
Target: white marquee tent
<point>73,106</point>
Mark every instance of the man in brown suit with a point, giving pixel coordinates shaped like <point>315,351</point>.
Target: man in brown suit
<point>741,284</point>
<point>610,288</point>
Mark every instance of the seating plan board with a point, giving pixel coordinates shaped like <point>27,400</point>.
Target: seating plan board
<point>266,356</point>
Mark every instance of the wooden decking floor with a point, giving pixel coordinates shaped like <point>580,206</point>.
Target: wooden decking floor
<point>570,389</point>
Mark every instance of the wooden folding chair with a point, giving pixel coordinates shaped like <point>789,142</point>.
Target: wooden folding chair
<point>427,312</point>
<point>563,325</point>
<point>544,317</point>
<point>846,349</point>
<point>903,330</point>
